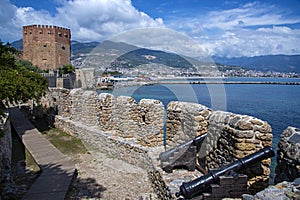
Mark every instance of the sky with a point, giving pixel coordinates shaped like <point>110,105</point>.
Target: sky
<point>223,28</point>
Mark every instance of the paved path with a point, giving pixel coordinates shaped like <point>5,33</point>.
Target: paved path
<point>57,169</point>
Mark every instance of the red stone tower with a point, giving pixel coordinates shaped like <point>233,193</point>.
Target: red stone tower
<point>48,47</point>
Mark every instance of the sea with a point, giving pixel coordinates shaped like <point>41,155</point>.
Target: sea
<point>277,104</point>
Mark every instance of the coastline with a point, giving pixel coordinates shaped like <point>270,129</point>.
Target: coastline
<point>228,82</point>
<point>209,80</point>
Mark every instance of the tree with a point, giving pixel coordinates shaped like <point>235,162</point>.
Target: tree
<point>17,83</point>
<point>28,65</point>
<point>66,69</point>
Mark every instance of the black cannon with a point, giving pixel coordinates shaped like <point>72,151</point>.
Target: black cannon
<point>200,185</point>
<point>182,155</point>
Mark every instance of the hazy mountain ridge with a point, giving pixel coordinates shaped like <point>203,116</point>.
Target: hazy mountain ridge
<point>145,56</point>
<point>17,44</point>
<point>78,47</point>
<point>278,63</point>
<point>116,55</point>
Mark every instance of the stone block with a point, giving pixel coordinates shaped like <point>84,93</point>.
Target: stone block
<point>245,146</point>
<point>244,125</point>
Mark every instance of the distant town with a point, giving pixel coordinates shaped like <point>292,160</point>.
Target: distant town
<point>212,71</point>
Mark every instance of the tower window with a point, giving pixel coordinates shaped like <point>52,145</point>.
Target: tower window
<point>49,32</point>
<point>66,35</point>
<point>45,45</point>
<point>41,32</point>
<point>59,34</point>
<point>63,47</point>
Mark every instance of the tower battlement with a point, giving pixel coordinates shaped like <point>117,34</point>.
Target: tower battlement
<point>46,46</point>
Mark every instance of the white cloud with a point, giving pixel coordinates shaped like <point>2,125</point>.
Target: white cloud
<point>248,30</point>
<point>251,14</point>
<point>249,42</point>
<point>89,20</point>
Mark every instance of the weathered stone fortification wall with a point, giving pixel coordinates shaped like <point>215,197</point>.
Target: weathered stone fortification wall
<point>232,136</point>
<point>57,101</point>
<point>127,123</point>
<point>93,138</point>
<point>123,116</point>
<point>185,121</point>
<point>6,180</point>
<point>288,155</point>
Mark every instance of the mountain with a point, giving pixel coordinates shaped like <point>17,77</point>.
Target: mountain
<point>146,56</point>
<point>120,46</point>
<point>17,44</point>
<point>115,55</point>
<point>278,63</point>
<point>105,46</point>
<point>78,47</point>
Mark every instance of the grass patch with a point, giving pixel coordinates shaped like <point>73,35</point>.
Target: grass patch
<point>64,142</point>
<point>30,162</point>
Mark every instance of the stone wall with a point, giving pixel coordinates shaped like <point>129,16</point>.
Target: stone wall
<point>93,138</point>
<point>230,136</point>
<point>6,180</point>
<point>57,101</point>
<point>185,121</point>
<point>123,116</point>
<point>288,155</point>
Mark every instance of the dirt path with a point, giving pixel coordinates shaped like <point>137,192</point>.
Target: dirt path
<point>103,177</point>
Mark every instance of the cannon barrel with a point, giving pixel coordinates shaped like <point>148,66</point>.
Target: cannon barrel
<point>199,185</point>
<point>183,155</point>
<point>195,142</point>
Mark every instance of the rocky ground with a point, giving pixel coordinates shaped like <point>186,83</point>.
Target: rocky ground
<point>280,191</point>
<point>104,177</point>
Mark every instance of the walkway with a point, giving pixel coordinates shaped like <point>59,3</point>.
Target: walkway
<point>57,169</point>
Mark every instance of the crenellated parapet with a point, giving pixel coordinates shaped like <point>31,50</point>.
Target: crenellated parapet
<point>46,33</point>
<point>122,115</point>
